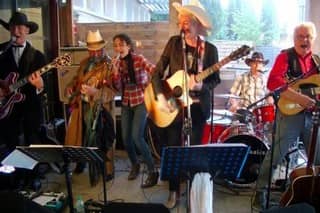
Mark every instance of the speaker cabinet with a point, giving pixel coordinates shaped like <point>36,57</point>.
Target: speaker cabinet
<point>66,75</point>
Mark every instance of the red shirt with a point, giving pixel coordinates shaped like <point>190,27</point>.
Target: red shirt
<point>133,94</point>
<point>277,77</point>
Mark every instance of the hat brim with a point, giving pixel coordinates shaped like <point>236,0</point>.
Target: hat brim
<point>198,12</point>
<point>249,60</point>
<point>33,27</point>
<point>96,46</point>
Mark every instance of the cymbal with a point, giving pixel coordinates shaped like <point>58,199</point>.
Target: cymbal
<point>227,96</point>
<point>223,112</point>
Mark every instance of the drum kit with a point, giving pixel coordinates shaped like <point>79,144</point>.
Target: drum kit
<point>252,127</point>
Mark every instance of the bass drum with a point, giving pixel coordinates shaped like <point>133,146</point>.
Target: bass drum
<point>258,149</point>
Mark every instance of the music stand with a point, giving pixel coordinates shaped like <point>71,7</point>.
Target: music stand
<point>227,160</point>
<point>65,154</point>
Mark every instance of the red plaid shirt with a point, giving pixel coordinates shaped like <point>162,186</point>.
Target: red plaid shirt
<point>133,94</point>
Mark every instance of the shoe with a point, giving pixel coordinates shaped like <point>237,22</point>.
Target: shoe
<point>79,168</point>
<point>109,177</point>
<point>151,180</point>
<point>134,172</point>
<point>172,200</point>
<point>260,200</point>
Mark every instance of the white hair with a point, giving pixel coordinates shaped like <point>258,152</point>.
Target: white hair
<point>308,25</point>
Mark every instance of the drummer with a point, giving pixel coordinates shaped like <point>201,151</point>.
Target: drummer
<point>250,86</point>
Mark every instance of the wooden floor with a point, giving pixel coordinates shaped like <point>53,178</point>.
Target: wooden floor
<point>235,199</point>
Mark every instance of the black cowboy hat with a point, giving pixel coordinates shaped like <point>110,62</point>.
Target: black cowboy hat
<point>256,56</point>
<point>19,18</point>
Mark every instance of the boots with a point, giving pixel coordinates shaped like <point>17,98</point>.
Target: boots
<point>134,172</point>
<point>109,164</point>
<point>152,179</point>
<point>172,200</point>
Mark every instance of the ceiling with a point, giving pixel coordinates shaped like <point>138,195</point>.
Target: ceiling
<point>156,6</point>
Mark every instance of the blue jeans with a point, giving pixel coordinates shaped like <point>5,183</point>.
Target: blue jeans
<point>288,129</point>
<point>133,122</point>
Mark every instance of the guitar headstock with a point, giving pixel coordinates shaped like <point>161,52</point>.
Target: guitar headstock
<point>64,60</point>
<point>244,50</point>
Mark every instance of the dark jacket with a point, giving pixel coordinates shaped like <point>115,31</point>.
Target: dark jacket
<point>172,58</point>
<point>26,115</point>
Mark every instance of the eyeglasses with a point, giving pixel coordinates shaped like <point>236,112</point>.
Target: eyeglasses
<point>304,37</point>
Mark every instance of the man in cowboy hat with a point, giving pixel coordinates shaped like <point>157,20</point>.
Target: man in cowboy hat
<point>250,86</point>
<point>89,89</point>
<point>194,25</point>
<point>22,125</point>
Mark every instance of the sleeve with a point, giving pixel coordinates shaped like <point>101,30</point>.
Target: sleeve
<point>211,58</point>
<point>161,66</point>
<point>236,86</point>
<point>277,76</point>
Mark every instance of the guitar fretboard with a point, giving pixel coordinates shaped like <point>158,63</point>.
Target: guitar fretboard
<point>24,81</point>
<point>205,73</point>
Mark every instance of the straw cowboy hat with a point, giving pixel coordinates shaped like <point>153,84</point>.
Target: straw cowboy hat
<point>95,41</point>
<point>256,57</point>
<point>19,18</point>
<point>198,12</point>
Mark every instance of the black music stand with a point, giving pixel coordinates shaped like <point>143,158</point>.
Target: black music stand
<point>225,159</point>
<point>66,154</point>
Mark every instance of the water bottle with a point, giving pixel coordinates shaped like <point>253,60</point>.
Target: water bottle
<point>79,207</point>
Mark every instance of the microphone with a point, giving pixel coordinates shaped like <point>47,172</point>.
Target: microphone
<point>183,39</point>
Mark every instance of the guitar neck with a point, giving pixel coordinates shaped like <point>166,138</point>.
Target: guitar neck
<point>24,80</point>
<point>214,68</point>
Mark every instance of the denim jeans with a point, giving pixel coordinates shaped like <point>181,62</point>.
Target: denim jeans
<point>133,121</point>
<point>288,129</point>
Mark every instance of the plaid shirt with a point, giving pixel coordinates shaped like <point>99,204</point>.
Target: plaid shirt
<point>133,93</point>
<point>249,88</point>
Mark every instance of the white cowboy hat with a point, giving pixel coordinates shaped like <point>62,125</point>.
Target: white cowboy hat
<point>95,41</point>
<point>198,12</point>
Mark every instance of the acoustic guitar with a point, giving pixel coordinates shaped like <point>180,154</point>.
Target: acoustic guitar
<point>176,94</point>
<point>305,181</point>
<point>11,85</point>
<point>309,86</point>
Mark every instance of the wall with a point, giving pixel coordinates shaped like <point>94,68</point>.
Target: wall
<point>150,38</point>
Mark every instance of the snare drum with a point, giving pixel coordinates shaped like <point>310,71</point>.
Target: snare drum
<point>212,133</point>
<point>264,114</point>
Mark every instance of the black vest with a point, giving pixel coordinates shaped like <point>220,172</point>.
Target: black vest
<point>294,68</point>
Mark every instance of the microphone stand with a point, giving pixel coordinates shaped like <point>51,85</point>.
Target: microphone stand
<point>99,135</point>
<point>187,121</point>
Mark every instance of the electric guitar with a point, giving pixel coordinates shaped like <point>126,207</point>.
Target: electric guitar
<point>10,86</point>
<point>305,181</point>
<point>309,86</point>
<point>176,94</point>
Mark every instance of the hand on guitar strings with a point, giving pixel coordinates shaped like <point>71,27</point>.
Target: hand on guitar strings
<point>88,90</point>
<point>165,105</point>
<point>36,80</point>
<point>193,84</point>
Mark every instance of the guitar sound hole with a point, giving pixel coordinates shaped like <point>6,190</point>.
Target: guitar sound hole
<point>177,91</point>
